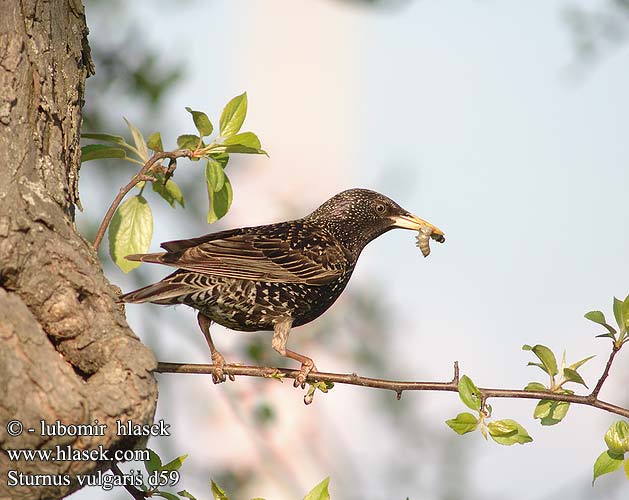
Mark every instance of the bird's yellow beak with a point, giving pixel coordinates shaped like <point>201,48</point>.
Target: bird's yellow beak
<point>410,221</point>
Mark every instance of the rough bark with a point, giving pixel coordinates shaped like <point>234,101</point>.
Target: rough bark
<point>66,352</point>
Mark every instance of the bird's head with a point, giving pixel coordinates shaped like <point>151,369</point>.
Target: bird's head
<point>357,216</point>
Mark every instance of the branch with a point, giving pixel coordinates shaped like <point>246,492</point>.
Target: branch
<point>601,381</point>
<point>393,385</point>
<point>139,177</point>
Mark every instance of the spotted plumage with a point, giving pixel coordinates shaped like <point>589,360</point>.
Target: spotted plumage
<point>276,276</point>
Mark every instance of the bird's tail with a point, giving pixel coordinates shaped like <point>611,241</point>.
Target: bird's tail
<point>158,293</point>
<point>155,258</point>
<point>170,290</point>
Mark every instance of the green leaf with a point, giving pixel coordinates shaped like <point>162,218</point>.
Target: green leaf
<point>551,412</point>
<point>221,158</point>
<point>508,432</point>
<point>599,318</point>
<point>166,495</point>
<point>539,365</point>
<point>248,139</point>
<point>309,396</point>
<point>618,313</point>
<point>323,386</point>
<point>488,409</point>
<point>138,139</point>
<point>469,393</point>
<point>169,191</point>
<point>607,462</point>
<point>542,409</point>
<point>596,316</point>
<point>233,115</point>
<point>239,148</point>
<point>535,386</point>
<point>130,231</point>
<point>625,312</point>
<point>214,175</point>
<point>116,139</point>
<point>220,201</point>
<point>188,141</point>
<point>617,437</point>
<point>627,468</point>
<point>502,428</point>
<point>545,355</point>
<point>572,376</point>
<point>218,492</point>
<point>185,494</point>
<point>153,463</point>
<point>463,423</point>
<point>175,464</point>
<point>610,335</point>
<point>578,364</point>
<point>201,122</point>
<point>320,491</point>
<point>101,152</point>
<point>155,142</point>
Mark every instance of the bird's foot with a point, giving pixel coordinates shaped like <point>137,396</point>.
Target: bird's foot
<point>306,367</point>
<point>218,375</point>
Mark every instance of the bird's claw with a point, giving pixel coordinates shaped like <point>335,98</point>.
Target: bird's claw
<point>218,375</point>
<point>306,368</point>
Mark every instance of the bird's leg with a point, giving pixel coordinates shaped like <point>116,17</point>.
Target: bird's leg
<point>217,358</point>
<point>307,365</point>
<point>280,337</point>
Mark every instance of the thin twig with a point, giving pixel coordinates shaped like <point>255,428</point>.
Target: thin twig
<point>140,176</point>
<point>601,381</point>
<point>455,379</point>
<point>393,385</point>
<point>136,493</point>
<point>172,165</point>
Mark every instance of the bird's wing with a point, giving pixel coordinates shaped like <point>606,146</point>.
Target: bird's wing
<point>278,253</point>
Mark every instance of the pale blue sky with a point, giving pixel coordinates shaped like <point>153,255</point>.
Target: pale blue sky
<point>467,114</point>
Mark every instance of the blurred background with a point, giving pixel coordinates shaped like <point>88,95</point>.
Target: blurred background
<point>503,123</point>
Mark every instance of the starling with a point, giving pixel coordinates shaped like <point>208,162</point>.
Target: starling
<point>276,276</point>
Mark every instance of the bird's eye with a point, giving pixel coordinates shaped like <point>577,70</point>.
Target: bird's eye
<point>380,208</point>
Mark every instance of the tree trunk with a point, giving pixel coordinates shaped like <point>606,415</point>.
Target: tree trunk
<point>66,352</point>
